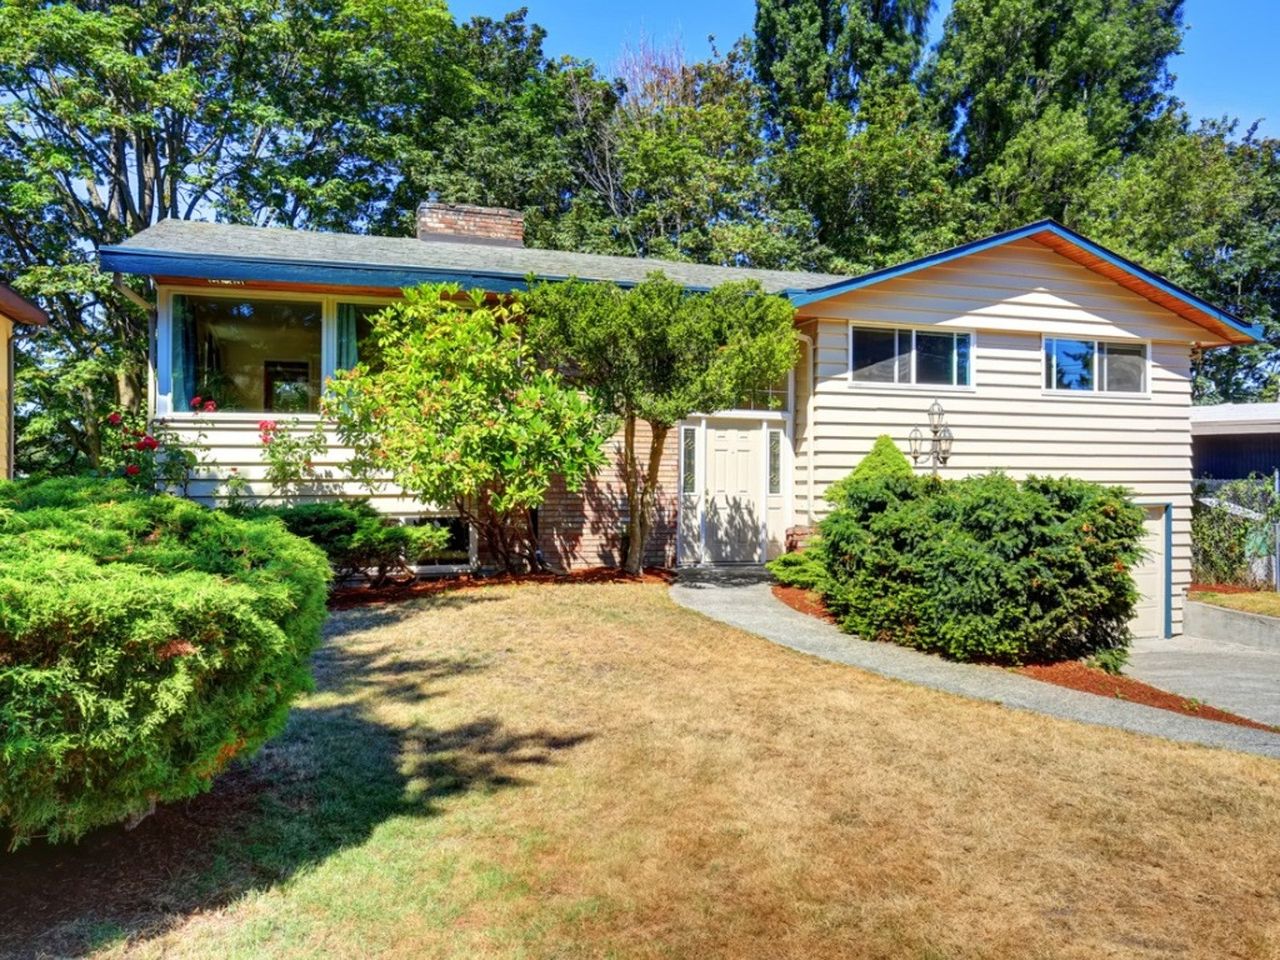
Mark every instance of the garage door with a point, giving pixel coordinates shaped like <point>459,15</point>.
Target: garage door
<point>1148,620</point>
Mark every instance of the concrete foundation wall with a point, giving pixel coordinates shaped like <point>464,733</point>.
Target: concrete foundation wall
<point>1231,626</point>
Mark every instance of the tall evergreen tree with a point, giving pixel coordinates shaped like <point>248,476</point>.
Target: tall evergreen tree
<point>876,185</point>
<point>1015,79</point>
<point>810,51</point>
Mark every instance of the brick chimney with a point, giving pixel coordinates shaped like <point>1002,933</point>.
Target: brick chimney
<point>463,223</point>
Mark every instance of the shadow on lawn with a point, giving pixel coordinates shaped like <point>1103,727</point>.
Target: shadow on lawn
<point>353,619</point>
<point>322,786</point>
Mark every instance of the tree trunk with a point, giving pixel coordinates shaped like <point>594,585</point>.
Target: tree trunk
<point>642,492</point>
<point>633,562</point>
<point>92,435</point>
<point>129,388</point>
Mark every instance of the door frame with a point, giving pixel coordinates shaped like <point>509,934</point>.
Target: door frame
<point>1167,506</point>
<point>763,421</point>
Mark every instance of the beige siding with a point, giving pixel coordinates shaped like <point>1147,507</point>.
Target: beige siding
<point>6,397</point>
<point>803,432</point>
<point>1010,298</point>
<point>232,446</point>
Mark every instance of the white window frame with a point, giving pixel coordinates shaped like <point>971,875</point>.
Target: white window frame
<point>1097,393</point>
<point>162,361</point>
<point>688,467</point>
<point>896,384</point>
<point>473,543</point>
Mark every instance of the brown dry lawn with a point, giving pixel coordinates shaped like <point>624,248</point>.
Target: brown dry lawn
<point>590,771</point>
<point>1264,602</point>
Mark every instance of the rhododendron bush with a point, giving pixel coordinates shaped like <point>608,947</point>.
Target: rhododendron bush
<point>145,643</point>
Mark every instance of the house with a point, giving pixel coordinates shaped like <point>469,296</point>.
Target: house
<point>13,309</point>
<point>1048,353</point>
<point>1230,441</point>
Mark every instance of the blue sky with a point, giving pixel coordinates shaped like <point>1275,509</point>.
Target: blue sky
<point>1229,63</point>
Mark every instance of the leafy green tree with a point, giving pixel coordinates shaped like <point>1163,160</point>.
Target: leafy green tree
<point>1203,209</point>
<point>509,139</point>
<point>671,164</point>
<point>809,52</point>
<point>657,354</point>
<point>1047,169</point>
<point>116,115</point>
<point>457,412</point>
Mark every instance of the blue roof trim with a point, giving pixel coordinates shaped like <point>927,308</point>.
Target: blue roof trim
<point>805,297</point>
<point>328,273</point>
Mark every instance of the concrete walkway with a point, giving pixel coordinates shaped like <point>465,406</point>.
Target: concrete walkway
<point>741,598</point>
<point>1244,679</point>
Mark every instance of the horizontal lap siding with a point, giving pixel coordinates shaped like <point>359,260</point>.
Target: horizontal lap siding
<point>803,432</point>
<point>582,529</point>
<point>234,448</point>
<point>1010,298</point>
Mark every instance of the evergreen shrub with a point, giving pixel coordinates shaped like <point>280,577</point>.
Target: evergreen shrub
<point>145,642</point>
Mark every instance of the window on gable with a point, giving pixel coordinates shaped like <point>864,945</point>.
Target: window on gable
<point>909,356</point>
<point>1094,366</point>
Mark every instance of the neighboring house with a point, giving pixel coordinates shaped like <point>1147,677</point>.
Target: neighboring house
<point>13,309</point>
<point>1050,354</point>
<point>1230,441</point>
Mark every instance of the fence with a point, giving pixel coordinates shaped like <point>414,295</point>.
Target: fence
<point>1235,532</point>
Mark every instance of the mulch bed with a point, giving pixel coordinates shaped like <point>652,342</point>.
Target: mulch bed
<point>1220,588</point>
<point>806,601</point>
<point>1071,673</point>
<point>345,598</point>
<point>1077,676</point>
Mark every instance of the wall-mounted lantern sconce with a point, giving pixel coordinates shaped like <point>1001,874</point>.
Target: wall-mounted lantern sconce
<point>939,451</point>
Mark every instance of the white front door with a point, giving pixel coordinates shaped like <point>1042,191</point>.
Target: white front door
<point>733,498</point>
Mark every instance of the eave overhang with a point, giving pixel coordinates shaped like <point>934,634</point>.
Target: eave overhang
<point>160,263</point>
<point>1075,247</point>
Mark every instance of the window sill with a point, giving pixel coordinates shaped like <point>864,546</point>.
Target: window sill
<point>1096,395</point>
<point>236,416</point>
<point>888,389</point>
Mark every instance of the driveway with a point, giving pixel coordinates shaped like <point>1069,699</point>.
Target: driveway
<point>741,597</point>
<point>1242,679</point>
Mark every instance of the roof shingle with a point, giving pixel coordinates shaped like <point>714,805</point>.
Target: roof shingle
<point>196,239</point>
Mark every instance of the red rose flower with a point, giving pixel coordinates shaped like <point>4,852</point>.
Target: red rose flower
<point>148,443</point>
<point>115,419</point>
<point>195,402</point>
<point>132,470</point>
<point>210,407</point>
